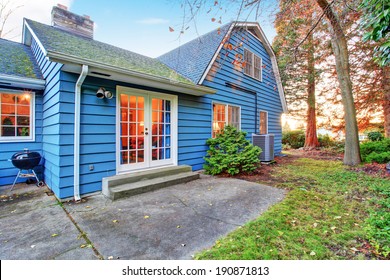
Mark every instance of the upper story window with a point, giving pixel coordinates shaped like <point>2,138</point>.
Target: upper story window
<point>224,115</point>
<point>252,65</point>
<point>16,111</point>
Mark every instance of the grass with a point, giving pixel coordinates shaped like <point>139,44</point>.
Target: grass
<point>328,213</point>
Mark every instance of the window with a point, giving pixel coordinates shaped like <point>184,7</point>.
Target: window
<point>225,115</point>
<point>252,65</point>
<point>263,129</point>
<point>16,111</point>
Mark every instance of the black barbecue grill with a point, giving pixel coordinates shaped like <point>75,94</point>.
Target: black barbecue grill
<point>26,161</point>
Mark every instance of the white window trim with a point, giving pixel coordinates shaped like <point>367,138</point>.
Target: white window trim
<point>253,66</point>
<point>226,114</point>
<point>266,112</point>
<point>31,138</point>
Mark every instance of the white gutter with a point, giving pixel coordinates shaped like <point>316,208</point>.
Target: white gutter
<point>22,82</point>
<point>77,103</point>
<point>174,85</point>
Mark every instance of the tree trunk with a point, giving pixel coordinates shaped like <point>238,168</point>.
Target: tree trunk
<point>386,103</point>
<point>340,51</point>
<point>311,141</point>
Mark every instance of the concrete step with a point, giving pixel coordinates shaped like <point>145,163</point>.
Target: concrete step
<point>126,185</point>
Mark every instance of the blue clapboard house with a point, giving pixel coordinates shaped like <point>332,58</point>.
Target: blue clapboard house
<point>95,111</point>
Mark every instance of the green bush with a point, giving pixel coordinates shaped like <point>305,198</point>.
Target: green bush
<point>378,151</point>
<point>295,139</point>
<point>379,158</point>
<point>230,152</point>
<point>375,136</point>
<point>326,141</point>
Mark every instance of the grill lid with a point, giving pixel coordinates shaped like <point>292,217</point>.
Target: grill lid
<point>26,160</point>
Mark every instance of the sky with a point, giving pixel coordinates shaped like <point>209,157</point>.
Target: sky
<point>141,26</point>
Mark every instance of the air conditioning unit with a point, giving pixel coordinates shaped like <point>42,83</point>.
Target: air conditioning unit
<point>266,143</point>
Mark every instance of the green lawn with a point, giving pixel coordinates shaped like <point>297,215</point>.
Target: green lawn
<point>328,213</point>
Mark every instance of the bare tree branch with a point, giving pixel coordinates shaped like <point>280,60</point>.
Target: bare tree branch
<point>5,12</point>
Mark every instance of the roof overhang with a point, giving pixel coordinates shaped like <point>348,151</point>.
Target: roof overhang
<point>74,64</point>
<point>258,32</point>
<point>21,82</point>
<point>99,70</point>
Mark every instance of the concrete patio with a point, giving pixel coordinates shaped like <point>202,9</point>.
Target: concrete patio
<point>170,223</point>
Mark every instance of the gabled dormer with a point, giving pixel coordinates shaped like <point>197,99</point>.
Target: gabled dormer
<point>241,46</point>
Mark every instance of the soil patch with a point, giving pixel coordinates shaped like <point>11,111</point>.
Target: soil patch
<point>264,174</point>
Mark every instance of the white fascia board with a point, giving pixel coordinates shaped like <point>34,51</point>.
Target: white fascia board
<point>27,32</point>
<point>125,75</point>
<point>22,82</point>
<point>259,34</point>
<point>129,76</point>
<point>205,73</point>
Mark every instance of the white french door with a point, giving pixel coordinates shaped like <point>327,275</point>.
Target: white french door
<point>146,129</point>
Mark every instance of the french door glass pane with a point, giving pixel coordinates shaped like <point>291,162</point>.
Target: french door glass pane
<point>161,128</point>
<point>132,129</point>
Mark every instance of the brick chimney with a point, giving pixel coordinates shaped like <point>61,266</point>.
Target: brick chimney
<point>63,19</point>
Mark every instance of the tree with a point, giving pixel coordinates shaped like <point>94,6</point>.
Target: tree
<point>340,50</point>
<point>376,20</point>
<point>386,100</point>
<point>368,85</point>
<point>297,64</point>
<point>6,10</point>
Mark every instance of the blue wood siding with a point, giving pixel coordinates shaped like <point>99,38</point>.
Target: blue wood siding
<point>56,140</point>
<point>267,96</point>
<point>195,113</point>
<point>55,119</point>
<point>194,128</point>
<point>97,135</point>
<point>97,131</point>
<point>7,171</point>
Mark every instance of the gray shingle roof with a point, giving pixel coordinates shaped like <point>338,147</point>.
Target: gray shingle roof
<point>192,59</point>
<point>17,59</point>
<point>66,43</point>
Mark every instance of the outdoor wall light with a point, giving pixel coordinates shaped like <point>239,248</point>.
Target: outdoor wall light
<point>103,93</point>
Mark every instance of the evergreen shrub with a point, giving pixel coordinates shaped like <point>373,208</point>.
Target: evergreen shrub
<point>230,152</point>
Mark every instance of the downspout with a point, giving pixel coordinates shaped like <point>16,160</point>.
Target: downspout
<point>77,103</point>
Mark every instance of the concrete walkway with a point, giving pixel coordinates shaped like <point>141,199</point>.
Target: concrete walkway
<point>171,223</point>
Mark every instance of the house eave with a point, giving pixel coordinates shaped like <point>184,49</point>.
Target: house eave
<point>21,82</point>
<point>73,64</point>
<point>259,34</point>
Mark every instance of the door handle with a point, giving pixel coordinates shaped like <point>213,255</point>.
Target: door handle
<point>146,133</point>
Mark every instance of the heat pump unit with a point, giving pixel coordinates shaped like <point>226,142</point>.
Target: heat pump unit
<point>266,143</point>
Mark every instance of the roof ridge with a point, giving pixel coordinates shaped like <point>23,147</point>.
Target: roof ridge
<point>88,39</point>
<point>199,38</point>
<point>55,40</point>
<point>192,58</point>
